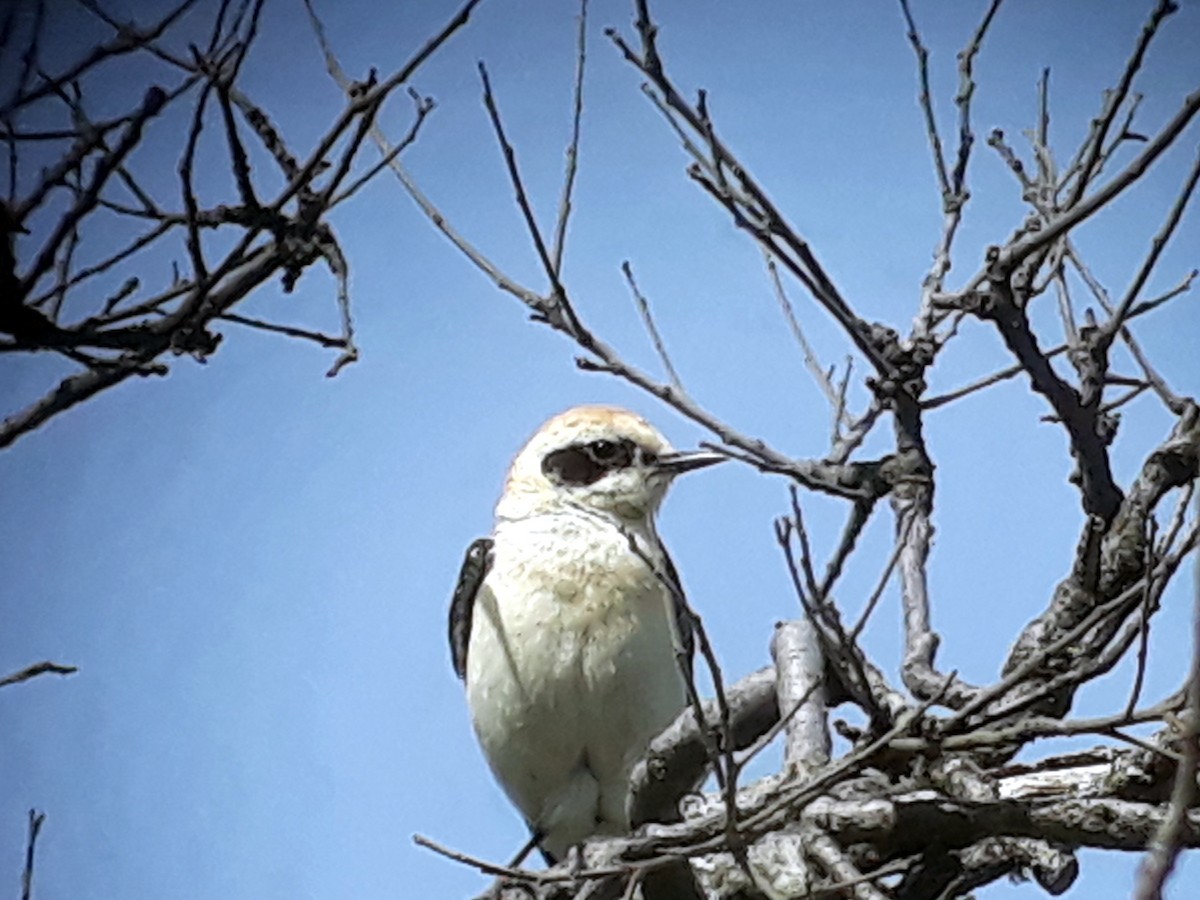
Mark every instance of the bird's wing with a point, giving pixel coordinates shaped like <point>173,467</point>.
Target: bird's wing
<point>683,613</point>
<point>474,569</point>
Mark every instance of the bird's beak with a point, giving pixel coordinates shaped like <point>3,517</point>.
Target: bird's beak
<point>677,463</point>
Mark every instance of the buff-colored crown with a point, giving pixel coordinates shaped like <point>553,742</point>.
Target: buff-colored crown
<point>631,493</point>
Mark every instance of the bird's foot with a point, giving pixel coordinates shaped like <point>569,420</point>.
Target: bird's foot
<point>574,860</point>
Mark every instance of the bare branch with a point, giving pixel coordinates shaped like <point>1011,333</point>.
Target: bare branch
<point>556,308</point>
<point>1158,244</point>
<point>921,642</point>
<point>1170,838</point>
<point>820,376</point>
<point>966,90</point>
<point>262,234</point>
<point>926,100</point>
<point>1014,370</point>
<point>1094,143</point>
<point>760,218</point>
<point>35,670</point>
<point>660,348</point>
<point>36,820</point>
<point>1015,253</point>
<point>316,337</point>
<point>127,41</point>
<point>564,205</point>
<point>800,671</point>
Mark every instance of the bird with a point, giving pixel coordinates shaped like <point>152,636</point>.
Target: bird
<point>568,625</point>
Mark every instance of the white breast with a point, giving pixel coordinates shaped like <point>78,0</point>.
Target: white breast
<point>571,671</point>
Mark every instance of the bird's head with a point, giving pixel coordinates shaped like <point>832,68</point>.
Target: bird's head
<point>598,457</point>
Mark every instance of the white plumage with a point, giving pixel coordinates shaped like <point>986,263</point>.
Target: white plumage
<point>565,633</point>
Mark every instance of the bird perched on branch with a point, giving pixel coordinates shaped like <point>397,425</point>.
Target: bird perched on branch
<point>568,625</point>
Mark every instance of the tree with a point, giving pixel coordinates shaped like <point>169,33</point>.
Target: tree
<point>926,800</point>
<point>932,787</point>
<point>83,208</point>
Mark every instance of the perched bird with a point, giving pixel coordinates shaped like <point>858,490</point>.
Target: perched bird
<point>568,625</point>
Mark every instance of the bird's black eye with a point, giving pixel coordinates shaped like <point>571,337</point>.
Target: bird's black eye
<point>603,451</point>
<point>612,454</point>
<point>581,464</point>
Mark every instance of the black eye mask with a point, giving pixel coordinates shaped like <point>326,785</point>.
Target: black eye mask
<point>584,464</point>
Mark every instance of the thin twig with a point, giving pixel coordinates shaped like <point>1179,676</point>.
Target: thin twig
<point>564,205</point>
<point>856,521</point>
<point>1094,143</point>
<point>42,668</point>
<point>760,217</point>
<point>810,356</point>
<point>1168,841</point>
<point>1157,245</point>
<point>1016,369</point>
<point>966,90</point>
<point>36,819</point>
<point>1168,397</point>
<point>424,106</point>
<point>325,340</point>
<point>126,41</point>
<point>660,347</point>
<point>1143,655</point>
<point>487,868</point>
<point>557,309</point>
<point>926,101</point>
<point>881,584</point>
<point>1016,252</point>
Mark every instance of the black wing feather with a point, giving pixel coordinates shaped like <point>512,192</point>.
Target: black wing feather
<point>462,607</point>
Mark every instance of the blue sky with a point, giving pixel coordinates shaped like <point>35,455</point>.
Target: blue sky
<point>251,564</point>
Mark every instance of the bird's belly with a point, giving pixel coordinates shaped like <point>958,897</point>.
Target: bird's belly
<point>570,672</point>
